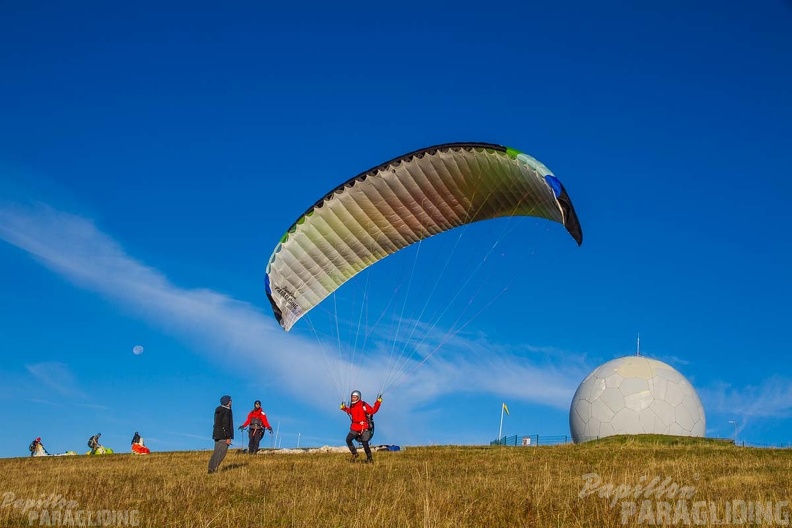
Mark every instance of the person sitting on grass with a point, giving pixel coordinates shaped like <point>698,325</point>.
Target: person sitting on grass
<point>37,448</point>
<point>94,444</point>
<point>138,447</point>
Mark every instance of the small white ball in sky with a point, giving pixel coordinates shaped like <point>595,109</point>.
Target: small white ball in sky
<point>137,350</point>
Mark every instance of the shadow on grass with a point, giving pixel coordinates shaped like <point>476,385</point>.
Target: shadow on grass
<point>229,467</point>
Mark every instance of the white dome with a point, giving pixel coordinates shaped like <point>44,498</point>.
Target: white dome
<point>635,395</point>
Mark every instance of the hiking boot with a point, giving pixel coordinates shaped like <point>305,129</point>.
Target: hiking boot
<point>354,457</point>
<point>369,460</point>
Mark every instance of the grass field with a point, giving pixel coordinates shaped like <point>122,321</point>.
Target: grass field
<point>592,484</point>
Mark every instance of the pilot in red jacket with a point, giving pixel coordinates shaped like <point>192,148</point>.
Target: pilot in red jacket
<point>358,412</point>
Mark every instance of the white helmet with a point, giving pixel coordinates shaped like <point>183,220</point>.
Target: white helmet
<point>355,393</point>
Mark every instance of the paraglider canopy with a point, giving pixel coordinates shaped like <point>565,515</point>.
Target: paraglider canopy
<point>401,202</point>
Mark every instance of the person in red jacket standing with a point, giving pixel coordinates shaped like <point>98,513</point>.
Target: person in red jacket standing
<point>360,430</point>
<point>257,419</point>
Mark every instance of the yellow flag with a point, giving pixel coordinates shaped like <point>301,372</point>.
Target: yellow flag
<point>506,409</point>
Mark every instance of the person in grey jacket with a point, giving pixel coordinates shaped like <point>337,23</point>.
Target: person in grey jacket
<point>222,433</point>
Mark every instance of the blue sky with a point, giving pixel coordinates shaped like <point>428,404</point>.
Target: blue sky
<point>151,158</point>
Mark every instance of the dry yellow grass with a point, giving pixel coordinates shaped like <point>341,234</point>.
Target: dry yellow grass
<point>418,487</point>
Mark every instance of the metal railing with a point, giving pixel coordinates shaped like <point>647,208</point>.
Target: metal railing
<point>532,440</point>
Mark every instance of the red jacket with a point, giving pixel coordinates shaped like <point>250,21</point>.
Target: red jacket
<point>357,413</point>
<point>261,415</point>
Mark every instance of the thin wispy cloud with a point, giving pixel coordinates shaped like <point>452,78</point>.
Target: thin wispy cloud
<point>770,399</point>
<point>68,403</point>
<point>57,377</point>
<point>76,249</point>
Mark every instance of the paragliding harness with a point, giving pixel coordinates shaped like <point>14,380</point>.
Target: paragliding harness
<point>367,434</point>
<point>32,446</point>
<point>93,442</point>
<point>370,420</point>
<point>256,427</point>
<point>136,438</point>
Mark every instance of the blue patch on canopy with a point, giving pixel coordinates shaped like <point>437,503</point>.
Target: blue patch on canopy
<point>554,184</point>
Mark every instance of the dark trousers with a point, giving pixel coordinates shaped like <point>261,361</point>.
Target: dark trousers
<point>220,450</point>
<point>363,438</point>
<point>255,436</point>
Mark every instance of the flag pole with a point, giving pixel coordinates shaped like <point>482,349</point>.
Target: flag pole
<point>500,430</point>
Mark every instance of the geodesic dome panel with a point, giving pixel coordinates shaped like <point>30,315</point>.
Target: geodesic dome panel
<point>635,395</point>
